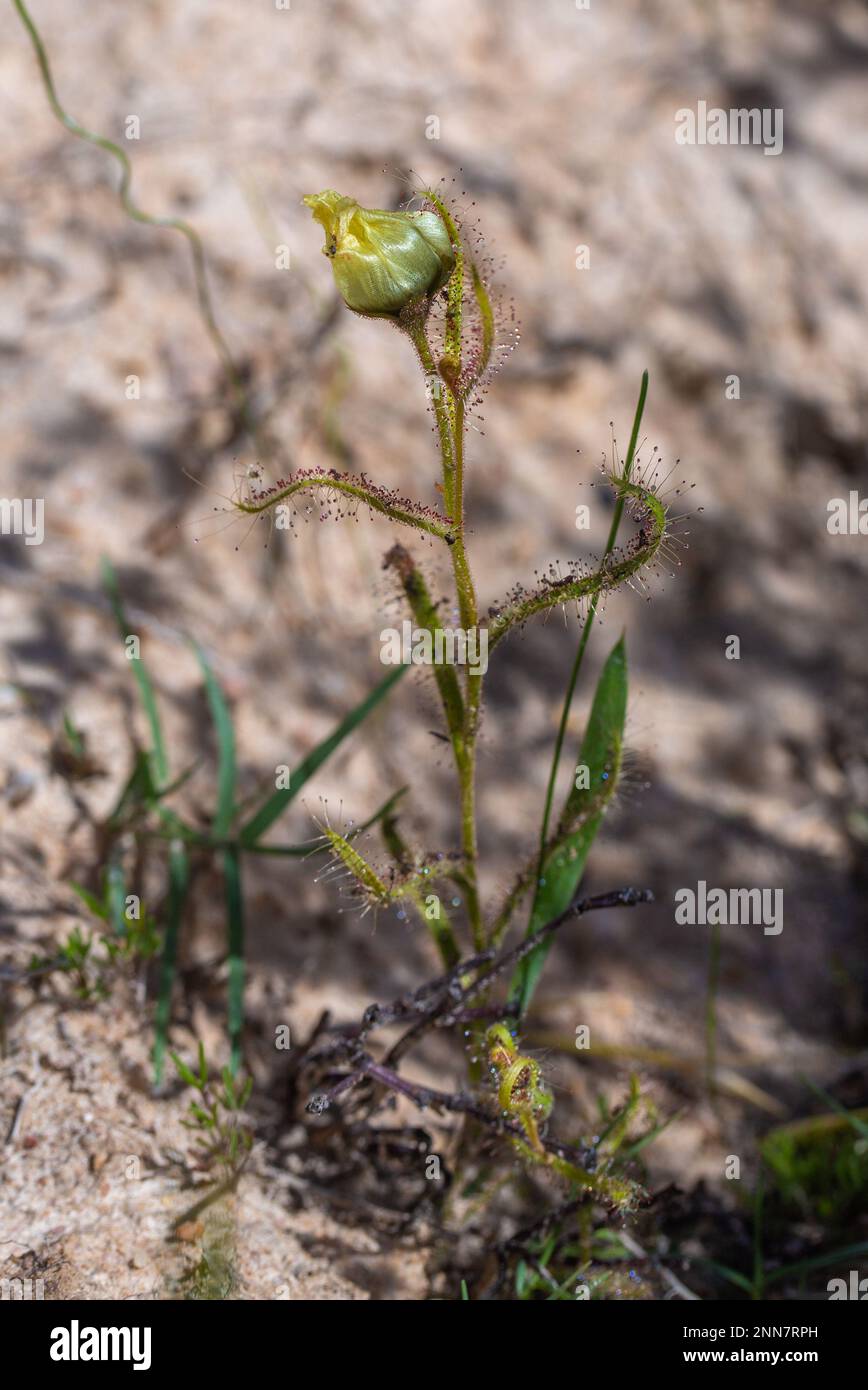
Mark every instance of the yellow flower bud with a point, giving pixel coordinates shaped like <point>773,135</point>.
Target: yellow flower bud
<point>382,261</point>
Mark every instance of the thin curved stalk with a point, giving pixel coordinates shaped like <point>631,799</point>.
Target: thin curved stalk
<point>177,224</point>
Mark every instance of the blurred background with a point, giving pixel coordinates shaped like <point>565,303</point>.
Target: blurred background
<point>555,129</point>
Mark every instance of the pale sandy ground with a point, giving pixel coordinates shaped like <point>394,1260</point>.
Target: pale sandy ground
<point>704,262</point>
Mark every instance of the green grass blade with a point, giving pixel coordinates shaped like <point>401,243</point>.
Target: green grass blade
<point>91,901</point>
<point>179,879</point>
<point>171,787</point>
<point>175,828</point>
<point>116,898</point>
<point>138,790</point>
<point>563,866</point>
<point>634,1150</point>
<point>734,1276</point>
<point>852,1118</point>
<point>847,1252</point>
<point>226,774</point>
<point>590,618</point>
<point>179,869</point>
<point>235,920</point>
<point>221,827</point>
<point>184,1071</point>
<point>278,801</point>
<point>533,965</point>
<point>159,759</point>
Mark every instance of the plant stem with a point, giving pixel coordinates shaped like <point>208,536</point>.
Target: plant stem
<point>450,430</point>
<point>463,578</point>
<point>470,621</point>
<point>419,339</point>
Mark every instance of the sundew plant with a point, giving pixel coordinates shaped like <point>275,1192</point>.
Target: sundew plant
<point>417,269</point>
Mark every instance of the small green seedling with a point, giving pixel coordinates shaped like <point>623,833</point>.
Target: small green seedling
<point>223,1140</point>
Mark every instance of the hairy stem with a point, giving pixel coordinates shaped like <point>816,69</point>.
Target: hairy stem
<point>449,415</point>
<point>611,573</point>
<point>378,499</point>
<point>469,621</point>
<point>419,339</point>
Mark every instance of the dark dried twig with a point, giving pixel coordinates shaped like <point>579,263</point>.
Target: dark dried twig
<point>442,1003</point>
<point>458,1102</point>
<point>621,897</point>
